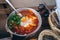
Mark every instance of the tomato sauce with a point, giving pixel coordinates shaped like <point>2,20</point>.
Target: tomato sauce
<point>29,28</point>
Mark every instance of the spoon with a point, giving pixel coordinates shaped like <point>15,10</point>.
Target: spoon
<point>13,8</point>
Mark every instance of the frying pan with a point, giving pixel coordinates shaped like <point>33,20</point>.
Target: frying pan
<point>32,33</point>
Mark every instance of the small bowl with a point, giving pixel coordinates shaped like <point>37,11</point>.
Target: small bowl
<point>52,23</point>
<point>48,33</point>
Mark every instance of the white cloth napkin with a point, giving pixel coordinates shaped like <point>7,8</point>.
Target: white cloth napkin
<point>58,8</point>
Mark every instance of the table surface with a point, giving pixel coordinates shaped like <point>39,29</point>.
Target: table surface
<point>3,20</point>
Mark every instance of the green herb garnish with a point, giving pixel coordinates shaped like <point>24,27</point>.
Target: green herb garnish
<point>14,20</point>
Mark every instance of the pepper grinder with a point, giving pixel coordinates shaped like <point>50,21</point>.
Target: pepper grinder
<point>43,10</point>
<point>44,14</point>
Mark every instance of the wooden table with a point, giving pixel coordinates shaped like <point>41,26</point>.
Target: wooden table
<point>36,8</point>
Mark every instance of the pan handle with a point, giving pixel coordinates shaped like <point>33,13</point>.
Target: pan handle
<point>15,37</point>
